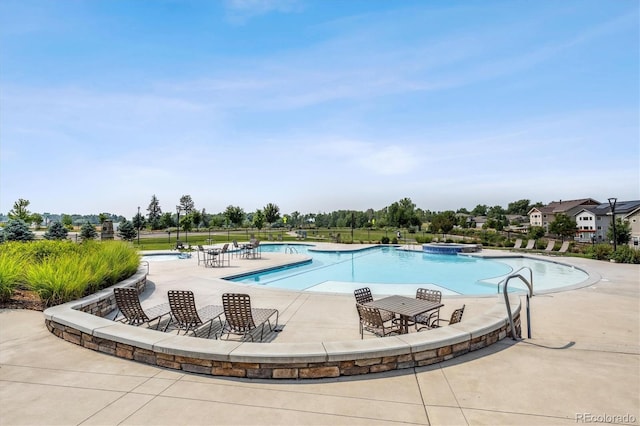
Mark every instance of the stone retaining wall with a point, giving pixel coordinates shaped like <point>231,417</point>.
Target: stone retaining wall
<point>81,322</point>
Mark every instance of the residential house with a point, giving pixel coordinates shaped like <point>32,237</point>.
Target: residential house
<point>594,221</point>
<point>543,216</point>
<point>633,219</point>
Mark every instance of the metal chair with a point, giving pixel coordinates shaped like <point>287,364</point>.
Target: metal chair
<point>241,319</point>
<point>128,304</point>
<point>371,320</point>
<point>432,296</point>
<point>187,317</point>
<point>363,295</point>
<point>456,316</point>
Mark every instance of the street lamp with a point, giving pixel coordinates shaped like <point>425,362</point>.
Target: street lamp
<point>612,204</point>
<point>178,223</point>
<point>138,226</point>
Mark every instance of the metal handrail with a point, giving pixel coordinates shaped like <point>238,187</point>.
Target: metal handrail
<point>529,284</point>
<point>290,249</point>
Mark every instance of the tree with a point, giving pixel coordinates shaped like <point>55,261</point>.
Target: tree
<point>520,207</point>
<point>271,213</point>
<point>17,230</point>
<point>187,204</point>
<point>19,211</point>
<point>138,221</point>
<point>563,226</point>
<point>536,232</point>
<point>67,221</point>
<point>155,212</point>
<point>56,232</point>
<point>102,217</point>
<point>166,221</point>
<point>88,232</point>
<point>479,210</point>
<point>443,222</point>
<point>37,219</point>
<point>235,215</point>
<point>258,219</point>
<point>127,231</point>
<point>623,232</point>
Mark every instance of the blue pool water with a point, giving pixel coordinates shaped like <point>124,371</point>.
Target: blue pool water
<point>388,270</point>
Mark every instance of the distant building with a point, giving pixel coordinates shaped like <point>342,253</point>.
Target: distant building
<point>543,216</point>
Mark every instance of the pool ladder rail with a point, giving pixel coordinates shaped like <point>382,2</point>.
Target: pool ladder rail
<point>504,283</point>
<point>290,250</point>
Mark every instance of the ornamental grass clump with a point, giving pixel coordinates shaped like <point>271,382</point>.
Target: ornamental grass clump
<point>11,274</point>
<point>61,271</point>
<point>58,280</point>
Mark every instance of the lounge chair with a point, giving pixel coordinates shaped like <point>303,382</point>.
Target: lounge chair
<point>185,316</point>
<point>432,296</point>
<point>530,245</point>
<point>128,304</point>
<point>241,319</point>
<point>550,245</point>
<point>363,295</point>
<point>456,317</point>
<point>371,320</point>
<point>564,247</point>
<point>518,244</point>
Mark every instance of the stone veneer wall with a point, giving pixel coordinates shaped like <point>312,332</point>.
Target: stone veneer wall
<point>356,362</point>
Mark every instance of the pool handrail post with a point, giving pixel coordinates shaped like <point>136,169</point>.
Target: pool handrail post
<point>529,284</point>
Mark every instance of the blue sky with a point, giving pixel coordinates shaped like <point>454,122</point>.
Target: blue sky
<point>316,105</point>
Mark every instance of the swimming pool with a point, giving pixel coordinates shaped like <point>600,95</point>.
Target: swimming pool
<point>387,270</point>
<point>164,257</point>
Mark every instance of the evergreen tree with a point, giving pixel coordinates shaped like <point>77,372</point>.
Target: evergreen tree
<point>88,232</point>
<point>56,232</point>
<point>17,230</point>
<point>155,212</point>
<point>127,231</point>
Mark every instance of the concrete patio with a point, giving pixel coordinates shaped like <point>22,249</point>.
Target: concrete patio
<point>581,365</point>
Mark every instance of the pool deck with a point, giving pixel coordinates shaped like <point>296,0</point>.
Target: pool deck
<point>582,361</point>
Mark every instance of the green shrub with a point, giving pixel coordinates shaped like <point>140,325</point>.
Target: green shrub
<point>599,251</point>
<point>384,240</point>
<point>625,254</point>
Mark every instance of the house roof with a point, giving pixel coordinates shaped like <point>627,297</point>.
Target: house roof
<point>622,208</point>
<point>561,206</point>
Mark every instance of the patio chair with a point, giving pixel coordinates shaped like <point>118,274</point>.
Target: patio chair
<point>241,319</point>
<point>224,253</point>
<point>371,320</point>
<point>363,295</point>
<point>456,317</point>
<point>180,245</point>
<point>128,304</point>
<point>550,245</point>
<point>530,244</point>
<point>518,244</point>
<point>202,251</point>
<point>432,296</point>
<point>238,249</point>
<point>564,247</point>
<point>185,316</point>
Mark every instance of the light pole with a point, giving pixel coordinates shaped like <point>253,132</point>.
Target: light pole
<point>138,226</point>
<point>612,204</point>
<point>178,225</point>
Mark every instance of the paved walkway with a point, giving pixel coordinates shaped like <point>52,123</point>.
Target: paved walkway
<point>581,364</point>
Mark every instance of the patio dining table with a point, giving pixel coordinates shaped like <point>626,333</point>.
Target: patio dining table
<point>406,307</point>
